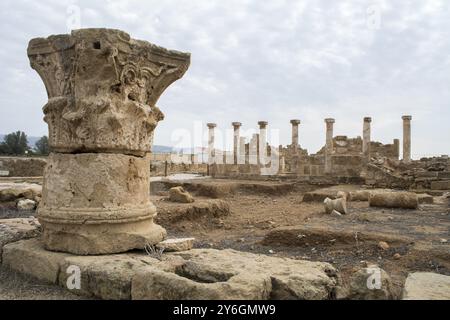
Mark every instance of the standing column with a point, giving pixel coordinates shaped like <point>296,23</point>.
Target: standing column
<point>407,138</point>
<point>236,141</point>
<point>366,137</point>
<point>329,144</point>
<point>95,197</point>
<point>262,142</point>
<point>295,123</point>
<point>211,152</point>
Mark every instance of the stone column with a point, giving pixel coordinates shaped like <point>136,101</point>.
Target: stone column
<point>295,124</point>
<point>366,137</point>
<point>396,147</point>
<point>242,152</point>
<point>329,144</point>
<point>211,151</point>
<point>236,141</point>
<point>262,142</point>
<point>407,138</point>
<point>102,89</point>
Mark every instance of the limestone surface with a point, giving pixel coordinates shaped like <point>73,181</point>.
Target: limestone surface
<point>426,286</point>
<point>228,274</point>
<point>195,274</point>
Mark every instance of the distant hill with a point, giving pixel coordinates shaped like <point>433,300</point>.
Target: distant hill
<point>156,148</point>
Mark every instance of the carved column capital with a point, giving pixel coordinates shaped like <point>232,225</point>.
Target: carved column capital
<point>102,88</point>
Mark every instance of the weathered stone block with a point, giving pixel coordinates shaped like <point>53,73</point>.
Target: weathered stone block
<point>29,257</point>
<point>176,245</point>
<point>440,185</point>
<point>427,286</point>
<point>12,230</point>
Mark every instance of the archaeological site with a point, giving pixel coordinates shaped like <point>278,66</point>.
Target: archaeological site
<point>106,215</point>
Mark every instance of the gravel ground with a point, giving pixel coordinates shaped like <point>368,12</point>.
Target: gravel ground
<point>14,286</point>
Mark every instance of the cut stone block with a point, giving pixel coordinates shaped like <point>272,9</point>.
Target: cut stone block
<point>440,185</point>
<point>405,200</point>
<point>12,230</point>
<point>425,199</point>
<point>195,274</point>
<point>29,257</point>
<point>175,245</point>
<point>426,286</point>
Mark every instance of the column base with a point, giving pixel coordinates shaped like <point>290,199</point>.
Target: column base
<point>103,238</point>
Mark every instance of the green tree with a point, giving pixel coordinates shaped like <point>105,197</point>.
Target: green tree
<point>15,143</point>
<point>42,146</point>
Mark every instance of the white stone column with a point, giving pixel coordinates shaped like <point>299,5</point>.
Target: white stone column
<point>329,144</point>
<point>262,152</point>
<point>211,151</point>
<point>241,155</point>
<point>366,137</point>
<point>236,141</point>
<point>407,138</point>
<point>295,123</point>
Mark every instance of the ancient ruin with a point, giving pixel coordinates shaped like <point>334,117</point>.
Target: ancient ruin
<point>256,221</point>
<point>102,91</point>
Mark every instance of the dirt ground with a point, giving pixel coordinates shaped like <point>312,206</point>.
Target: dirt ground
<point>280,224</point>
<point>271,218</point>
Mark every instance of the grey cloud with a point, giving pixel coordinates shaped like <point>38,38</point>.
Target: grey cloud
<point>264,60</point>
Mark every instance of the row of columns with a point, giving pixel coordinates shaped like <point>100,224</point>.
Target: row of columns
<point>295,140</point>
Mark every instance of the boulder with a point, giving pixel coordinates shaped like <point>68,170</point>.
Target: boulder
<point>12,230</point>
<point>176,245</point>
<point>339,205</point>
<point>26,204</point>
<point>426,286</point>
<point>403,199</point>
<point>178,194</point>
<point>371,283</point>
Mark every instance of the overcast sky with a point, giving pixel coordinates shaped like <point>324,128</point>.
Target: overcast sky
<point>268,60</point>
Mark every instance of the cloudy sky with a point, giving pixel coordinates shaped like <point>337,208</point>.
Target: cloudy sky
<point>271,60</point>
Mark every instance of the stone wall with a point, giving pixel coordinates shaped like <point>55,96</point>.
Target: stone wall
<point>22,166</point>
<point>162,168</point>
